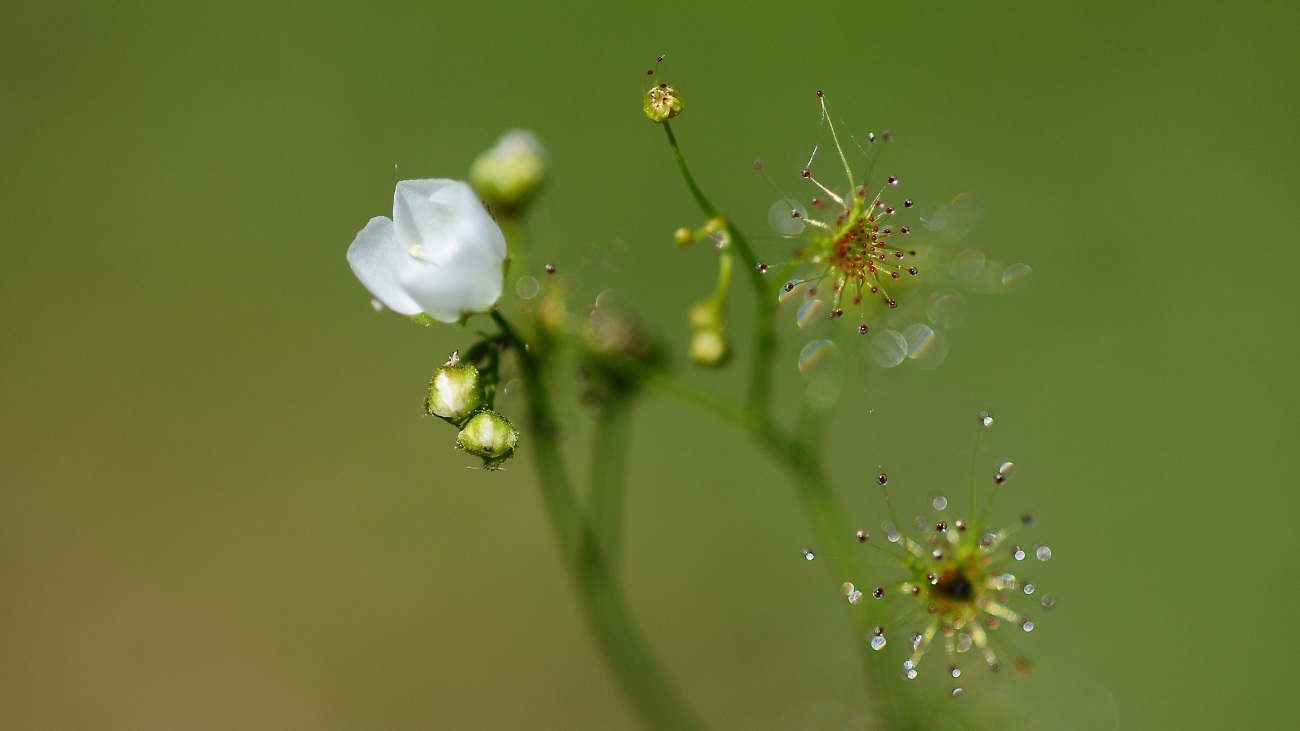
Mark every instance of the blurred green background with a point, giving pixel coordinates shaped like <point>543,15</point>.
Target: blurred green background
<point>220,506</point>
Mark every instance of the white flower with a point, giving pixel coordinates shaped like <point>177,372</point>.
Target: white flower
<point>441,253</point>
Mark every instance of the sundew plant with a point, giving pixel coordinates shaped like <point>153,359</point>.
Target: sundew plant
<point>856,266</point>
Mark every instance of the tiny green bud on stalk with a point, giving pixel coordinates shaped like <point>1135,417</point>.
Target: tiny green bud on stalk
<point>489,435</point>
<point>510,174</point>
<point>706,315</point>
<point>455,391</point>
<point>684,236</point>
<point>709,348</point>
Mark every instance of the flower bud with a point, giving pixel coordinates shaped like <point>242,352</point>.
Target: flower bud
<point>709,348</point>
<point>455,391</point>
<point>706,315</point>
<point>508,175</point>
<point>663,102</point>
<point>684,236</point>
<point>487,434</point>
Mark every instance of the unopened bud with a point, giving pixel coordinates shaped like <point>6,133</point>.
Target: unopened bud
<point>684,236</point>
<point>507,176</point>
<point>489,435</point>
<point>663,102</point>
<point>455,391</point>
<point>706,315</point>
<point>709,348</point>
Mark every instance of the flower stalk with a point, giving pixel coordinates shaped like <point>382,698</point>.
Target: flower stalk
<point>635,669</point>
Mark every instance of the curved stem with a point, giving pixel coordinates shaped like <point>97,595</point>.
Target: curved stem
<point>760,377</point>
<point>794,453</point>
<point>635,668</point>
<point>608,475</point>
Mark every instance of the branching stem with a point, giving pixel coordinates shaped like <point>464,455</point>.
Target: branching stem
<point>634,667</point>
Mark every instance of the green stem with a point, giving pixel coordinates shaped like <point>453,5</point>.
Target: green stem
<point>635,669</point>
<point>608,474</point>
<point>760,377</point>
<point>705,206</point>
<point>804,464</point>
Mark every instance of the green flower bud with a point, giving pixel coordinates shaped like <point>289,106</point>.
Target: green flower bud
<point>709,348</point>
<point>487,434</point>
<point>455,391</point>
<point>507,176</point>
<point>706,315</point>
<point>663,102</point>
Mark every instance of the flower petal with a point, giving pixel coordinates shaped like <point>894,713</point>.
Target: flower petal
<point>475,227</point>
<point>425,212</point>
<point>471,281</point>
<point>378,260</point>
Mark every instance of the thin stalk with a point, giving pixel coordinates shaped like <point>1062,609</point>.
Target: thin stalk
<point>635,668</point>
<point>608,476</point>
<point>760,377</point>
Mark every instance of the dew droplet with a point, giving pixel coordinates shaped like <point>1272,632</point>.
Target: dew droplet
<point>878,642</point>
<point>550,268</point>
<point>814,353</point>
<point>889,348</point>
<point>891,533</point>
<point>1048,602</point>
<point>985,419</point>
<point>1028,626</point>
<point>527,287</point>
<point>1042,552</point>
<point>1029,588</point>
<point>956,692</point>
<point>882,478</point>
<point>878,592</point>
<point>954,671</point>
<point>925,347</point>
<point>1007,470</point>
<point>808,554</point>
<point>1018,553</point>
<point>967,265</point>
<point>946,308</point>
<point>935,217</point>
<point>808,312</point>
<point>940,502</point>
<point>786,217</point>
<point>790,290</point>
<point>855,597</point>
<point>909,673</point>
<point>1016,276</point>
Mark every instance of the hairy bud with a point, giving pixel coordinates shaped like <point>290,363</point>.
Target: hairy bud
<point>489,435</point>
<point>455,391</point>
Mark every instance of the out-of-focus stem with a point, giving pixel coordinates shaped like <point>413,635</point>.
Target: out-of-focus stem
<point>634,667</point>
<point>608,475</point>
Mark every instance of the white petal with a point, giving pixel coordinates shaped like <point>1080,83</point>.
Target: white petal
<point>470,282</point>
<point>475,227</point>
<point>378,260</point>
<point>425,212</point>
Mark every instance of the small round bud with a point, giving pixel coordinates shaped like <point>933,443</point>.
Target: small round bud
<point>684,236</point>
<point>508,175</point>
<point>709,348</point>
<point>489,435</point>
<point>706,316</point>
<point>663,102</point>
<point>455,391</point>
